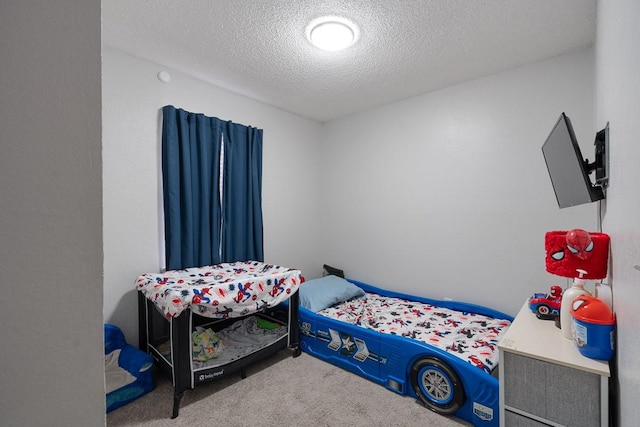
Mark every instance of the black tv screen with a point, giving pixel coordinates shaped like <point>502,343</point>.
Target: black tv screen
<point>568,170</point>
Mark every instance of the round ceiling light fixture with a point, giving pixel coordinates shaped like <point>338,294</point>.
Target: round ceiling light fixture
<point>332,33</point>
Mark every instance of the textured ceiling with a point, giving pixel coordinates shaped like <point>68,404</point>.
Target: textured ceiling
<point>407,47</point>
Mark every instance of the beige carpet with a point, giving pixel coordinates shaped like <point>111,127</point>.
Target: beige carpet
<point>281,391</point>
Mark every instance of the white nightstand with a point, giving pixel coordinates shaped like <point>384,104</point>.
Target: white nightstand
<point>544,380</point>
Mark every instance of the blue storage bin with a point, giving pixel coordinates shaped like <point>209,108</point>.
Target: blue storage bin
<point>593,325</point>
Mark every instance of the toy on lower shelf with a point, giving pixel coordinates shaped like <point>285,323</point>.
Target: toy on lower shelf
<point>546,306</point>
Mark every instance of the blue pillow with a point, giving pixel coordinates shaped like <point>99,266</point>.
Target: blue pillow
<point>318,294</point>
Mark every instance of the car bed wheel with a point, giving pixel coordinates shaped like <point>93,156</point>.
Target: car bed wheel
<point>437,385</point>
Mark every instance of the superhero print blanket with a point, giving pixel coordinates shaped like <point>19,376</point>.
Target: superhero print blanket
<point>470,336</point>
<point>222,290</point>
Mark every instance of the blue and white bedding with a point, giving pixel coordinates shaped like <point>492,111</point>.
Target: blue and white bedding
<point>222,290</point>
<point>470,336</point>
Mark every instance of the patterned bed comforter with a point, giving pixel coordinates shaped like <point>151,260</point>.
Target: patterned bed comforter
<point>470,336</point>
<point>222,290</point>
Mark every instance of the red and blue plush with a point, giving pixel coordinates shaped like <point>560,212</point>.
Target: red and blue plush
<point>568,251</point>
<point>128,370</point>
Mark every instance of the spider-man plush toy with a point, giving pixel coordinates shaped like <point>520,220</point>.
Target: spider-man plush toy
<point>568,251</point>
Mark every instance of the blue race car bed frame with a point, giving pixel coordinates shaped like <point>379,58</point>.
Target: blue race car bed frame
<point>439,378</point>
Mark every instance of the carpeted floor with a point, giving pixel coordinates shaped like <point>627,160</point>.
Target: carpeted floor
<point>282,391</point>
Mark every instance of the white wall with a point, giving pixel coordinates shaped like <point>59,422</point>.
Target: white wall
<point>618,102</point>
<point>52,357</point>
<point>132,102</point>
<point>447,194</point>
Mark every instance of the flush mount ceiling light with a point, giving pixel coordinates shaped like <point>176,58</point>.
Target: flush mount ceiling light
<point>332,33</point>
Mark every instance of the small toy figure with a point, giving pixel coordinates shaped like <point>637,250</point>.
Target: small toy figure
<point>546,306</point>
<point>555,292</point>
<point>579,243</point>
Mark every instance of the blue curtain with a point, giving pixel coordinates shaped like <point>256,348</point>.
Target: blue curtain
<point>208,221</point>
<point>242,196</point>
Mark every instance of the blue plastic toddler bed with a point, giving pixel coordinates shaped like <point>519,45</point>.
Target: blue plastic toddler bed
<point>443,353</point>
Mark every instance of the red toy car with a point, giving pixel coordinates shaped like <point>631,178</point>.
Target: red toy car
<point>546,306</point>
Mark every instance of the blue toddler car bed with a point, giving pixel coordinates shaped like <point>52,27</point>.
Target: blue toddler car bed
<point>443,353</point>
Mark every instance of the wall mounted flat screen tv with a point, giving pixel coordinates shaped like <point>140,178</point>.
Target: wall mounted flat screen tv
<point>569,171</point>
